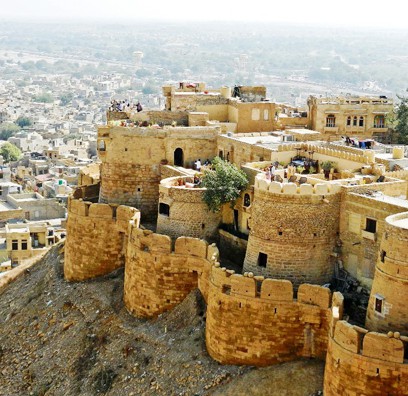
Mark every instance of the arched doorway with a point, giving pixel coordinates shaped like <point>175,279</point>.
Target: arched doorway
<point>178,157</point>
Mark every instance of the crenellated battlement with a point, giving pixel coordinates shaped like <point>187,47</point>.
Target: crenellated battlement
<point>103,227</point>
<point>273,187</point>
<point>388,347</point>
<point>365,362</point>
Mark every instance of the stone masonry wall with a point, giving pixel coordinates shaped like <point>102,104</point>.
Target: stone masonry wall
<point>96,238</point>
<point>188,214</point>
<point>256,321</point>
<point>131,158</point>
<point>363,363</point>
<point>359,247</point>
<point>250,320</point>
<point>295,227</point>
<point>157,278</point>
<point>390,283</point>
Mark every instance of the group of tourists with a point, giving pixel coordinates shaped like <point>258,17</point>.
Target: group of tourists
<point>124,105</point>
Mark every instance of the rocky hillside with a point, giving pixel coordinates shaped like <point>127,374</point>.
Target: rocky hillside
<point>59,338</point>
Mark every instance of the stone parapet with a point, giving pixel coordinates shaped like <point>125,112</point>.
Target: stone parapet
<point>359,362</point>
<point>96,238</point>
<point>156,277</point>
<point>256,321</point>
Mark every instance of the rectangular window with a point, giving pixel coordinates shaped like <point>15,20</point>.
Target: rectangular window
<point>371,225</point>
<point>382,255</point>
<point>14,244</point>
<point>24,244</point>
<point>262,260</point>
<point>164,209</point>
<point>256,115</point>
<point>379,303</point>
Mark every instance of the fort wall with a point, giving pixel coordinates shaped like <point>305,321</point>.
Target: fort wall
<point>365,363</point>
<point>256,321</point>
<point>96,238</point>
<point>250,320</point>
<point>182,211</point>
<point>157,278</point>
<point>293,231</point>
<point>387,309</point>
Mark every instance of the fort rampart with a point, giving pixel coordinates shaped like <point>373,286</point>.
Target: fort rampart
<point>157,277</point>
<point>293,231</point>
<point>96,238</point>
<point>250,320</point>
<point>256,321</point>
<point>359,362</point>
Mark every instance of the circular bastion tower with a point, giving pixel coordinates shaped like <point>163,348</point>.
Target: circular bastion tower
<point>293,231</point>
<point>182,211</point>
<point>387,308</point>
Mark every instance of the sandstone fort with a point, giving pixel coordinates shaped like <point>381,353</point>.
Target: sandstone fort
<point>333,210</point>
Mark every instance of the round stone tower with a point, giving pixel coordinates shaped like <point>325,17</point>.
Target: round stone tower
<point>293,231</point>
<point>182,211</point>
<point>387,307</point>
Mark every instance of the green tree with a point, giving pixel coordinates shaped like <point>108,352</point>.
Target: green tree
<point>23,121</point>
<point>8,129</point>
<point>66,98</point>
<point>223,183</point>
<point>10,152</point>
<point>401,127</point>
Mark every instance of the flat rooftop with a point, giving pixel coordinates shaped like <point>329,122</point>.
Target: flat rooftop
<point>5,206</point>
<point>403,223</point>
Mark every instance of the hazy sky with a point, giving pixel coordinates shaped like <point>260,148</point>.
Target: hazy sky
<point>390,13</point>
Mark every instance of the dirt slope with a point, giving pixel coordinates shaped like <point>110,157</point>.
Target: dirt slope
<point>59,338</point>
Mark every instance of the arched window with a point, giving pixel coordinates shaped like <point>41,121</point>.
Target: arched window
<point>247,200</point>
<point>379,121</point>
<point>355,121</point>
<point>178,157</point>
<point>348,121</point>
<point>330,121</point>
<point>361,121</point>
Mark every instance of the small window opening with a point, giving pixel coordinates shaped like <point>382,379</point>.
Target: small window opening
<point>247,200</point>
<point>379,304</point>
<point>382,256</point>
<point>371,225</point>
<point>164,209</point>
<point>24,244</point>
<point>262,260</point>
<point>226,289</point>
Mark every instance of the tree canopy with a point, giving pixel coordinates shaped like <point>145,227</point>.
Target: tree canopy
<point>402,120</point>
<point>223,183</point>
<point>8,129</point>
<point>23,121</point>
<point>10,152</point>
